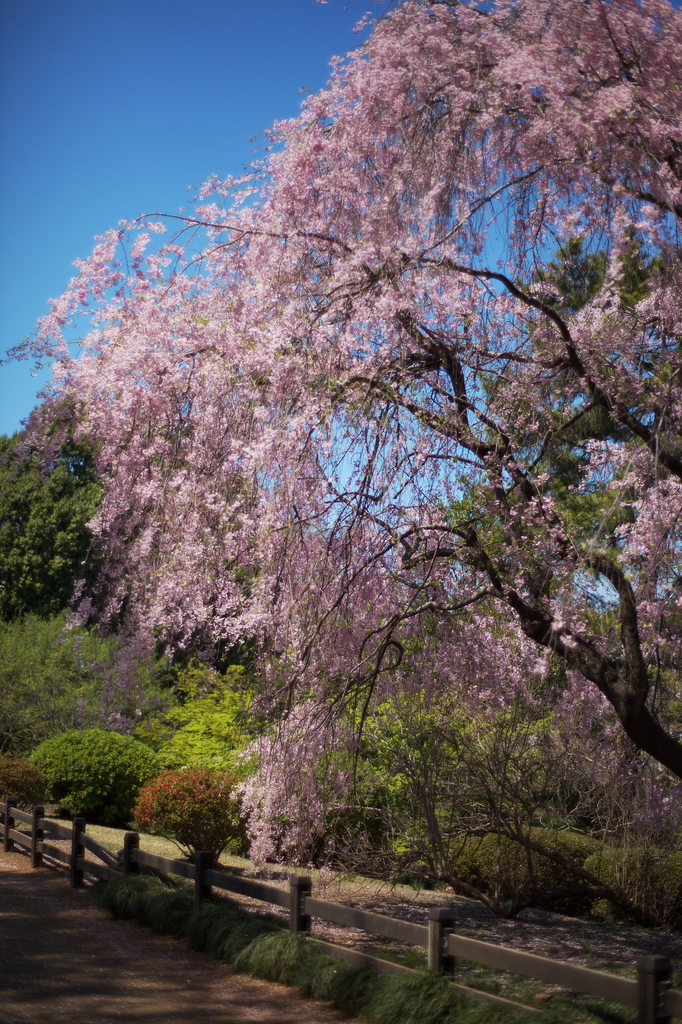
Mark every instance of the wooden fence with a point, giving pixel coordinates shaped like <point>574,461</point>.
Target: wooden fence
<point>656,1001</point>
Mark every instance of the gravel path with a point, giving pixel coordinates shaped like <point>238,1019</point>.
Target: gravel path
<point>62,959</point>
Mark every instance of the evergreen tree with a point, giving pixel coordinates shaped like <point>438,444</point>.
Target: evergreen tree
<point>44,537</point>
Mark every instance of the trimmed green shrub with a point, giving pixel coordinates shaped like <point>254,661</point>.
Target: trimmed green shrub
<point>647,874</point>
<point>95,773</point>
<point>20,779</point>
<point>194,807</point>
<point>497,864</point>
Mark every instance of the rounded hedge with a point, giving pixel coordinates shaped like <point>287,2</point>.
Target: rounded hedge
<point>95,773</point>
<point>194,807</point>
<point>20,779</point>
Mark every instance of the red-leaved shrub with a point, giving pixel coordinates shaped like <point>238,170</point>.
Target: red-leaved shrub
<point>20,779</point>
<point>194,807</point>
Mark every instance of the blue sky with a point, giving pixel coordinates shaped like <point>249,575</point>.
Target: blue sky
<point>112,108</point>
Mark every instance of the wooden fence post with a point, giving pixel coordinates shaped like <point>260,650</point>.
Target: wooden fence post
<point>36,837</point>
<point>441,919</point>
<point>77,850</point>
<point>131,841</point>
<point>653,981</point>
<point>300,886</point>
<point>203,860</point>
<point>10,802</point>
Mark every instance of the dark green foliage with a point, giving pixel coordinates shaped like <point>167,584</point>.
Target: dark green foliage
<point>292,960</point>
<point>95,773</point>
<point>335,982</point>
<point>637,270</point>
<point>498,864</point>
<point>257,945</point>
<point>650,875</point>
<point>21,780</point>
<point>279,958</point>
<point>351,988</point>
<point>576,275</point>
<point>161,904</point>
<point>43,533</point>
<point>224,930</point>
<point>51,680</point>
<point>412,999</point>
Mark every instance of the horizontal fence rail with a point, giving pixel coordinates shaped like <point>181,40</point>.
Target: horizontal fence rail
<point>358,959</point>
<point>24,816</point>
<point>250,887</point>
<point>377,924</point>
<point>56,828</point>
<point>100,870</point>
<point>582,979</point>
<point>651,994</point>
<point>173,867</point>
<point>56,853</point>
<point>23,838</point>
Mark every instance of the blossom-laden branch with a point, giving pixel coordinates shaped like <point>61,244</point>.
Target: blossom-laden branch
<point>378,398</point>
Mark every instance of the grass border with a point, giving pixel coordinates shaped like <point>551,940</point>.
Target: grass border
<point>256,944</point>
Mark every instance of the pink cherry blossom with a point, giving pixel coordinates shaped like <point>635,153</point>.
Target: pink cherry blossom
<point>330,401</point>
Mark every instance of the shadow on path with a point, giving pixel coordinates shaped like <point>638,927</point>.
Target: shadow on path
<point>62,959</point>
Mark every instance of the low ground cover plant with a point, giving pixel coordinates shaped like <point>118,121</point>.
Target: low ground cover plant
<point>95,773</point>
<point>195,807</point>
<point>256,944</point>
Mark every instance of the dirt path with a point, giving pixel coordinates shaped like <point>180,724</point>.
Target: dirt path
<point>62,959</point>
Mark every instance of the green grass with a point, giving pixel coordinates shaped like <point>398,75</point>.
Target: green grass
<point>161,903</point>
<point>112,839</point>
<point>224,930</point>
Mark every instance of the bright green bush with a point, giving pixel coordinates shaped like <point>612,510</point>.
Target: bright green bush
<point>206,725</point>
<point>194,807</point>
<point>21,780</point>
<point>95,773</point>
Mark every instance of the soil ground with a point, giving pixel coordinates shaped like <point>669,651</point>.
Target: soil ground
<point>63,960</point>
